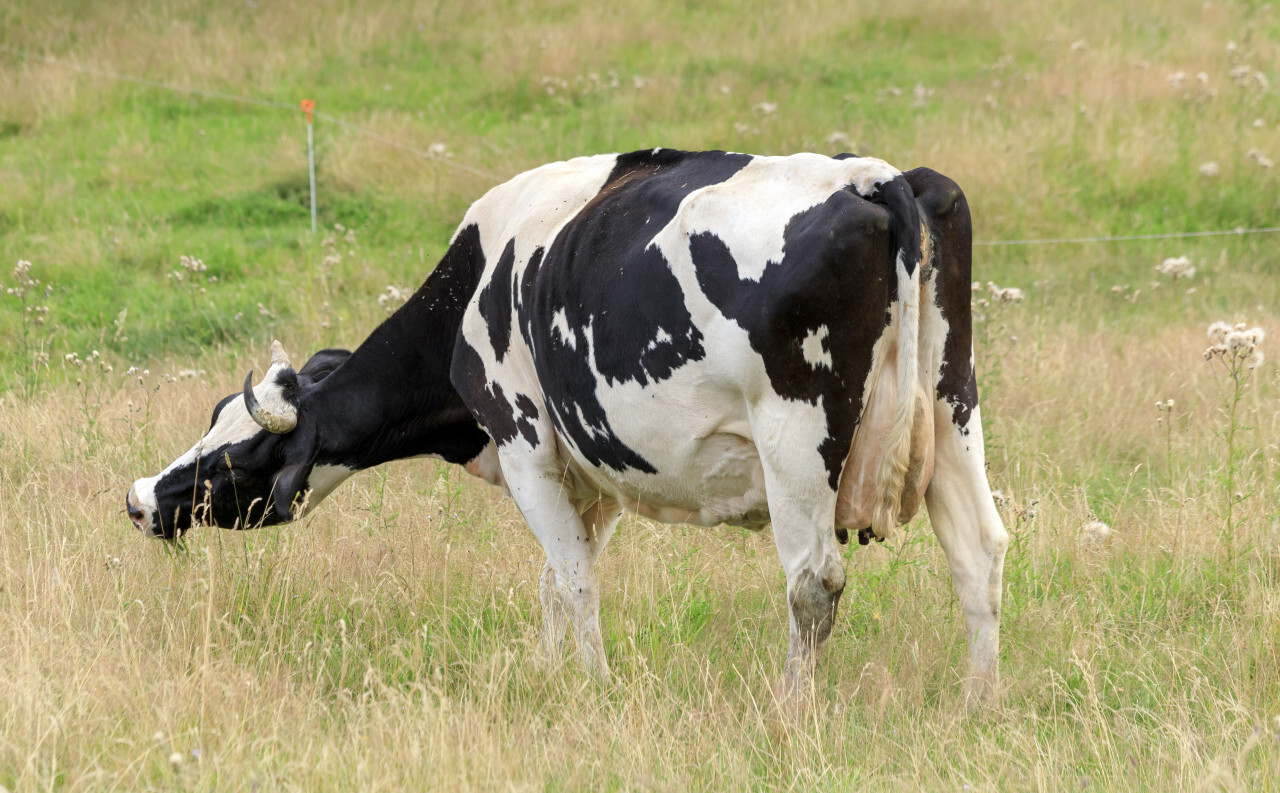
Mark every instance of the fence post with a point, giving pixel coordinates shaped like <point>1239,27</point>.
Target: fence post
<point>307,106</point>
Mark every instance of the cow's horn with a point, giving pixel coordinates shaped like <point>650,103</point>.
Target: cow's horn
<point>275,423</point>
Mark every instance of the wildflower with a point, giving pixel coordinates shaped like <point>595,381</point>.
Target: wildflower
<point>22,274</point>
<point>838,139</point>
<point>191,264</point>
<point>766,108</point>
<point>1176,79</point>
<point>921,93</point>
<point>438,150</point>
<point>175,761</point>
<point>724,89</point>
<point>1008,294</point>
<point>1176,268</point>
<point>999,497</point>
<point>1078,45</point>
<point>392,298</point>
<point>1095,532</point>
<point>1236,346</point>
<point>1209,169</point>
<point>1262,159</point>
<point>639,82</point>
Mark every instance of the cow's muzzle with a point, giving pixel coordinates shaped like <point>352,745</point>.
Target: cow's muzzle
<point>144,519</point>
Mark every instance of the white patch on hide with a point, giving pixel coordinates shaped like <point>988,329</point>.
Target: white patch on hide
<point>815,351</point>
<point>323,480</point>
<point>560,324</point>
<point>662,338</point>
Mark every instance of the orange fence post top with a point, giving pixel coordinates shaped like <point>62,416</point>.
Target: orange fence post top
<point>307,106</point>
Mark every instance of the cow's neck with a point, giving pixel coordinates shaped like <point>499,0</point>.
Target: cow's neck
<point>393,399</point>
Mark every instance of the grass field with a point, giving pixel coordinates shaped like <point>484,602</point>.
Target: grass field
<point>388,641</point>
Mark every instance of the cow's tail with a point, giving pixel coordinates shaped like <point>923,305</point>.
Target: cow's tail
<point>896,196</point>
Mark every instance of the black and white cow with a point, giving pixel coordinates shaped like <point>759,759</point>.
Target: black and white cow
<point>699,337</point>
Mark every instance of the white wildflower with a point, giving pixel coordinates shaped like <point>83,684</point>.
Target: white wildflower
<point>1255,360</point>
<point>175,760</point>
<point>1209,169</point>
<point>391,299</point>
<point>1176,79</point>
<point>1095,532</point>
<point>438,150</point>
<point>639,82</point>
<point>766,108</point>
<point>1218,331</point>
<point>1078,45</point>
<point>1262,159</point>
<point>1175,268</point>
<point>1008,294</point>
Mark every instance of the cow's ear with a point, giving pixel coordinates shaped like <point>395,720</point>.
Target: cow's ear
<point>289,492</point>
<point>322,364</point>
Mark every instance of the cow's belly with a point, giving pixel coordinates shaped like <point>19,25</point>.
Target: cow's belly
<point>702,480</point>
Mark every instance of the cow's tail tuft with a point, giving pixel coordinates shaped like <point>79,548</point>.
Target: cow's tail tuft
<point>898,198</point>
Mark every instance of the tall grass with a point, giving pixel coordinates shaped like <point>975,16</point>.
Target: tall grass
<point>388,641</point>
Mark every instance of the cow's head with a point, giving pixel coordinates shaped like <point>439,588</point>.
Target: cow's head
<point>250,467</point>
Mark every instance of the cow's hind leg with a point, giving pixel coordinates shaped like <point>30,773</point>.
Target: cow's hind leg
<point>974,539</point>
<point>802,509</point>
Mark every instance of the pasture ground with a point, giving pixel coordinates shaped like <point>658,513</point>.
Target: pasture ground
<point>387,642</point>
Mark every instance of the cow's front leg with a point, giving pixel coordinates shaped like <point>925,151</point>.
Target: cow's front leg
<point>569,599</point>
<point>974,539</point>
<point>573,536</point>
